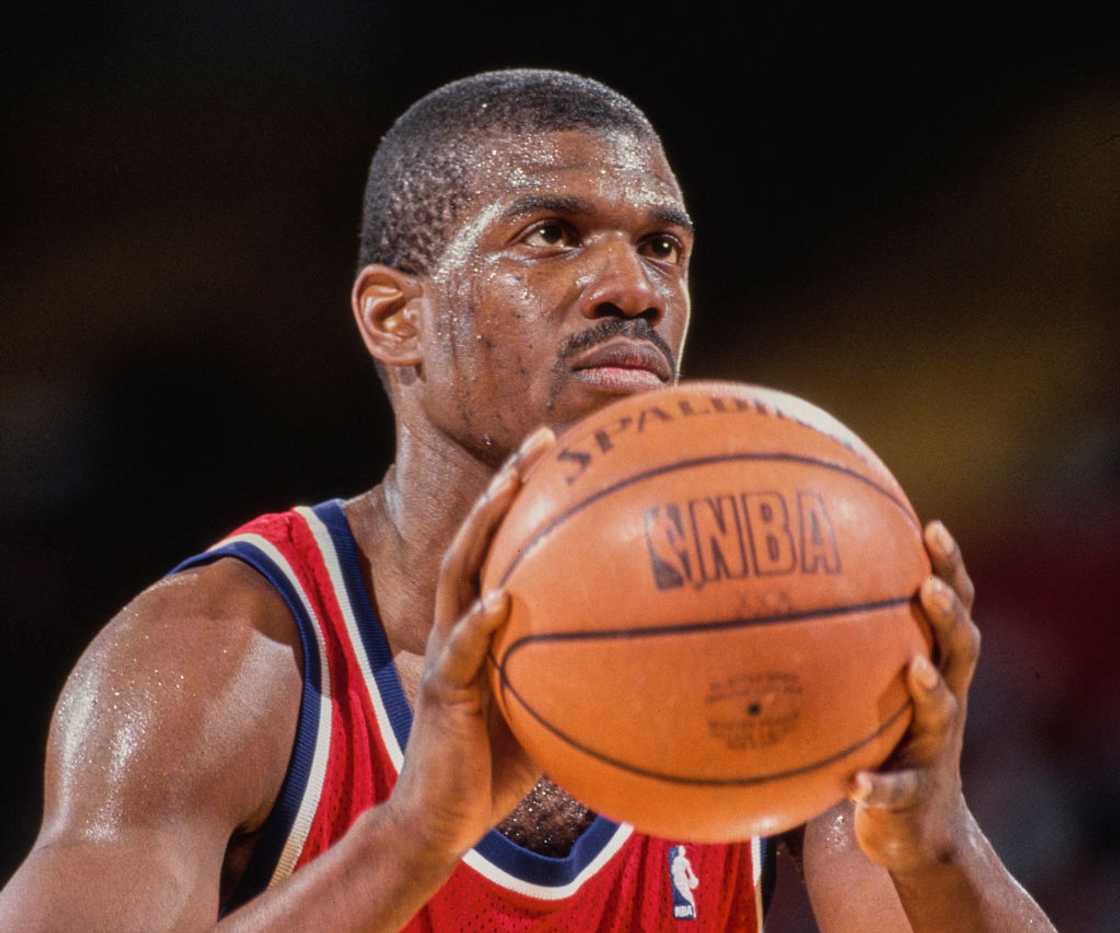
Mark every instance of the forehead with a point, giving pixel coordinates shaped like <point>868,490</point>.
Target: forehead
<point>607,166</point>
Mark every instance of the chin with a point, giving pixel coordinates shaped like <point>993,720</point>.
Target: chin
<point>577,400</point>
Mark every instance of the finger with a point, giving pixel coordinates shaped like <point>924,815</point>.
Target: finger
<point>462,655</point>
<point>529,453</point>
<point>484,522</point>
<point>534,447</point>
<point>894,791</point>
<point>935,711</point>
<point>463,559</point>
<point>958,638</point>
<point>514,470</point>
<point>459,568</point>
<point>948,562</point>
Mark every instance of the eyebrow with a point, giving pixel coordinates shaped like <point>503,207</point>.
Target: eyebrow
<point>575,207</point>
<point>672,216</point>
<point>553,203</point>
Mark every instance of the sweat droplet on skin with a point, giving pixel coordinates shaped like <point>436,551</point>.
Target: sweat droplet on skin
<point>548,820</point>
<point>462,247</point>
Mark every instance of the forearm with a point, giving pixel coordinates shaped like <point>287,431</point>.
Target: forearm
<point>374,879</point>
<point>970,890</point>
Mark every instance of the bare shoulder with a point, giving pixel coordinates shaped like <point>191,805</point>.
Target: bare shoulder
<point>185,703</point>
<point>172,733</point>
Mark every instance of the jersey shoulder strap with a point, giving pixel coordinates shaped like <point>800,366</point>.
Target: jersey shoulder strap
<point>341,761</point>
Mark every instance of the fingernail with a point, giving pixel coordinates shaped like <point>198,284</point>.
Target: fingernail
<point>537,438</point>
<point>941,536</point>
<point>860,787</point>
<point>941,593</point>
<point>924,672</point>
<point>492,599</point>
<point>499,483</point>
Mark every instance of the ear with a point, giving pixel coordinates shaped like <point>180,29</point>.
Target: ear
<point>384,302</point>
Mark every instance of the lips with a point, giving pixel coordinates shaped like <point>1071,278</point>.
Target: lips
<point>640,356</point>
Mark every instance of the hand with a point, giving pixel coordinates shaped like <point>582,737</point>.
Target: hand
<point>913,815</point>
<point>463,770</point>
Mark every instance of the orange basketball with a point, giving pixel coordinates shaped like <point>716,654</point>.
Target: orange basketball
<point>713,591</point>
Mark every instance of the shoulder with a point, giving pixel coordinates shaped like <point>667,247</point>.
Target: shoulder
<point>227,601</point>
<point>185,704</point>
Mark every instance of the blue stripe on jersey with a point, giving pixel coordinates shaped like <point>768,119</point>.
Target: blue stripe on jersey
<point>768,871</point>
<point>543,869</point>
<point>274,833</point>
<point>494,847</point>
<point>374,640</point>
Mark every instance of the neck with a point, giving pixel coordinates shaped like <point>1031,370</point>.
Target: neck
<point>404,525</point>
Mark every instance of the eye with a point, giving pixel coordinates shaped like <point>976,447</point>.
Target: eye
<point>662,247</point>
<point>551,233</point>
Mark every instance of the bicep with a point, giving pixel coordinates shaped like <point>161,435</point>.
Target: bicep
<point>848,892</point>
<point>157,753</point>
<point>118,847</point>
<point>136,880</point>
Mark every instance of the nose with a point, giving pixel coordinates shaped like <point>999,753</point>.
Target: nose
<point>620,286</point>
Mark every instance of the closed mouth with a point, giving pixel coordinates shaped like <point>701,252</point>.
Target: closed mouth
<point>627,354</point>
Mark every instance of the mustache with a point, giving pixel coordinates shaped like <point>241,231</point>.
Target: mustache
<point>638,328</point>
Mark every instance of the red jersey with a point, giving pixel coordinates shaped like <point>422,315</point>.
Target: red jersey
<point>349,746</point>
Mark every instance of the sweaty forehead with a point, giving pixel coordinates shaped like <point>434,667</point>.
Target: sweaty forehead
<point>608,164</point>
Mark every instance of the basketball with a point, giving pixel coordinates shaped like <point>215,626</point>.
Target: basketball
<point>713,595</point>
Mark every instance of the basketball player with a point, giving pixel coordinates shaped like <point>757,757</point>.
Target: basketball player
<point>292,731</point>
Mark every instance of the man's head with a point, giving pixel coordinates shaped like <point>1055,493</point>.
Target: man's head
<point>420,177</point>
<point>514,223</point>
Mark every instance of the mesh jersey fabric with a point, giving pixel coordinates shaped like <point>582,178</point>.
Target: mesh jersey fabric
<point>351,733</point>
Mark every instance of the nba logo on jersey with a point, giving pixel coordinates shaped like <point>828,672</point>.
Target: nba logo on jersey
<point>683,881</point>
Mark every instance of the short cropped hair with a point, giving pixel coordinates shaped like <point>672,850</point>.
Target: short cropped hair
<point>419,179</point>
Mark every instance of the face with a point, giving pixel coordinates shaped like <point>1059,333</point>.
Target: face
<point>564,287</point>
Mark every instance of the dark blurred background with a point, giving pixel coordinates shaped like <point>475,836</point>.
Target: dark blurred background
<point>908,214</point>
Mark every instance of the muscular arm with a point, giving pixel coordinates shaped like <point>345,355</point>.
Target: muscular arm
<point>971,887</point>
<point>175,729</point>
<point>173,733</point>
<point>971,890</point>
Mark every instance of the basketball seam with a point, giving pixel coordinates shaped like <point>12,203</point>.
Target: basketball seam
<point>688,628</point>
<point>751,781</point>
<point>549,527</point>
<point>506,684</point>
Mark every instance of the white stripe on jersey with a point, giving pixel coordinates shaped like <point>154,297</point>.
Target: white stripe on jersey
<point>756,869</point>
<point>342,595</point>
<point>309,803</point>
<point>474,859</point>
<point>488,869</point>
